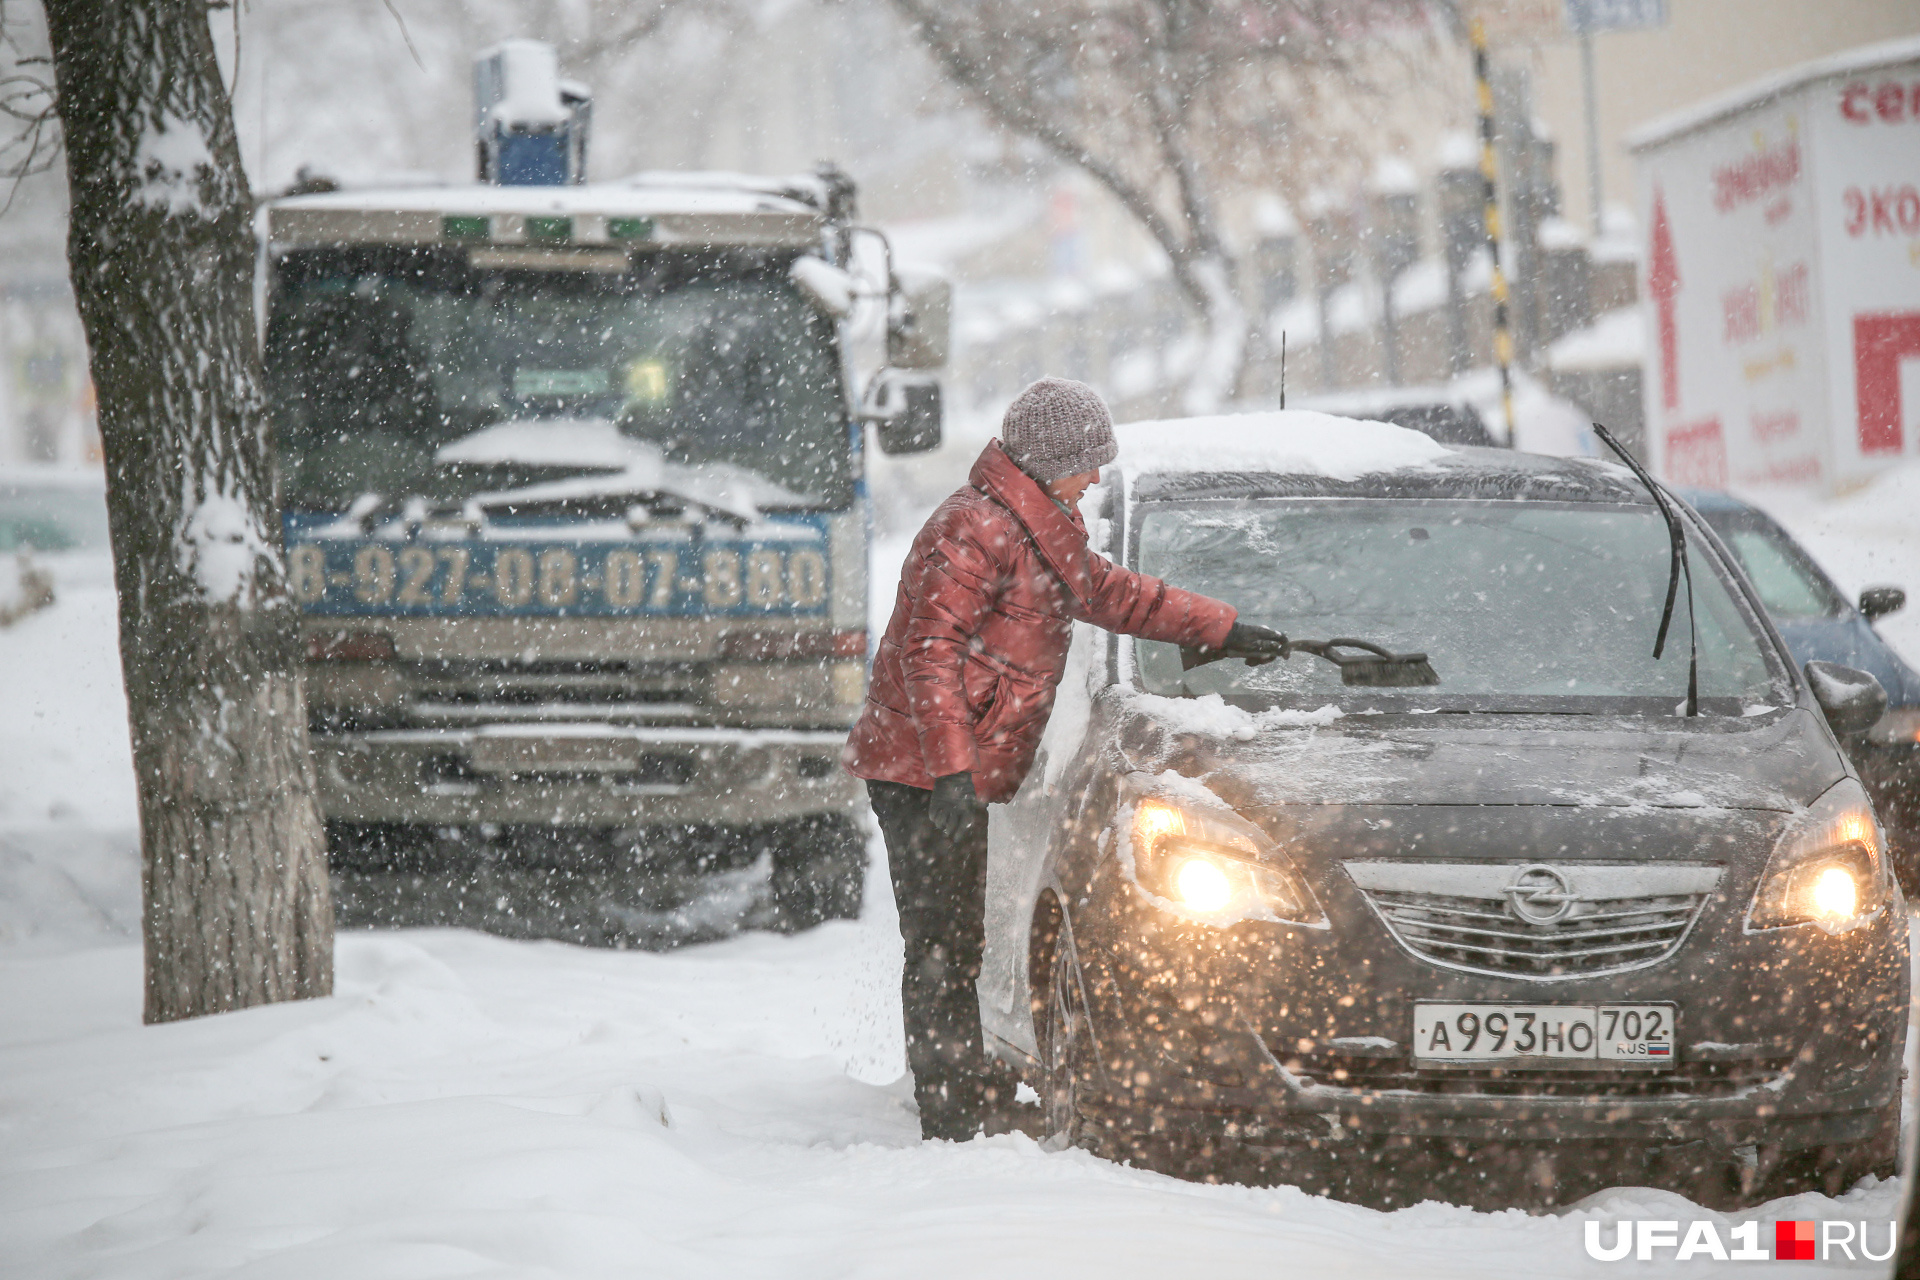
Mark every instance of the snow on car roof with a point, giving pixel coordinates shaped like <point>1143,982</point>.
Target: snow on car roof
<point>1289,441</point>
<point>1302,453</point>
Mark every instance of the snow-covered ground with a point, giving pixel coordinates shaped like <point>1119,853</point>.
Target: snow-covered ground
<point>469,1106</point>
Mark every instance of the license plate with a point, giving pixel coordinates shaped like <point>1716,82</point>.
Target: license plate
<point>1626,1033</point>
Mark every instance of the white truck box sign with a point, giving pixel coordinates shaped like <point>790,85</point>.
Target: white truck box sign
<point>1782,274</point>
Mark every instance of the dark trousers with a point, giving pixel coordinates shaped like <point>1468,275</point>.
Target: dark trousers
<point>941,888</point>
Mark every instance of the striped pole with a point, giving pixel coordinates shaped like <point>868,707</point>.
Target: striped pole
<point>1489,170</point>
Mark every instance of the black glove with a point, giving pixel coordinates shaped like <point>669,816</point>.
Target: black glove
<point>1258,645</point>
<point>955,810</point>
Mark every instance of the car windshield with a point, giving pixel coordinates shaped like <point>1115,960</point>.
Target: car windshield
<point>1789,585</point>
<point>1524,604</point>
<point>378,360</point>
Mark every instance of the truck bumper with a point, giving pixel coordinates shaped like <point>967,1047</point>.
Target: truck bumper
<point>583,775</point>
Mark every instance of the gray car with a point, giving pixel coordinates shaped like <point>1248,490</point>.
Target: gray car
<point>1546,926</point>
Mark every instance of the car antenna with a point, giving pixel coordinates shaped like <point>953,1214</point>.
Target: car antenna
<point>1283,369</point>
<point>1677,540</point>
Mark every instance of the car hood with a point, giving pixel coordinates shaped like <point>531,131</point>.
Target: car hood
<point>1779,761</point>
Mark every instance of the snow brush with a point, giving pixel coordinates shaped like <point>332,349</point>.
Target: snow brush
<point>1374,668</point>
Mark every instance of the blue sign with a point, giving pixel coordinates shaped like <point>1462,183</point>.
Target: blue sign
<point>544,575</point>
<point>1584,16</point>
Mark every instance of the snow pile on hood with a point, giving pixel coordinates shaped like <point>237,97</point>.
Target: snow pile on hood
<point>1292,441</point>
<point>1214,717</point>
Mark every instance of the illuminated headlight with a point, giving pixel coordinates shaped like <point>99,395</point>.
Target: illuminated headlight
<point>1899,726</point>
<point>1213,867</point>
<point>1829,869</point>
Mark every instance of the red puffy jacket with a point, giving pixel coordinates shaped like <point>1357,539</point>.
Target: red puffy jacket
<point>965,674</point>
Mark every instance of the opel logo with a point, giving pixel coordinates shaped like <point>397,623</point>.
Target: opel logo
<point>1541,894</point>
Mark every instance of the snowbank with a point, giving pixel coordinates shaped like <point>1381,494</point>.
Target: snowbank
<point>1298,441</point>
<point>470,1106</point>
<point>24,588</point>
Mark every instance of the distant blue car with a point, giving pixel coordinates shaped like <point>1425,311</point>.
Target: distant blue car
<point>1818,622</point>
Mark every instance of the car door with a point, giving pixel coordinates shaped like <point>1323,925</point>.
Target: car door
<point>1020,837</point>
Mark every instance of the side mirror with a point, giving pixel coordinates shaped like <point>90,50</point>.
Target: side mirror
<point>1878,602</point>
<point>1852,699</point>
<point>905,410</point>
<point>918,320</point>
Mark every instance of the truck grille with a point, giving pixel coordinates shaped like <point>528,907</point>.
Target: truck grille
<point>435,685</point>
<point>1537,921</point>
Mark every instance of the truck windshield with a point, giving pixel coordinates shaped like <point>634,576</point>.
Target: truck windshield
<point>377,360</point>
<point>1524,605</point>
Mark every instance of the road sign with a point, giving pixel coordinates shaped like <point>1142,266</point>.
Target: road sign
<point>1510,22</point>
<point>1585,16</point>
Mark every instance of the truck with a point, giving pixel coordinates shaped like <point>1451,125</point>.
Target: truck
<point>1781,276</point>
<point>575,516</point>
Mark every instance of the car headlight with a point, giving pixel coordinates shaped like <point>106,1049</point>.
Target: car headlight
<point>1212,867</point>
<point>1829,868</point>
<point>1899,726</point>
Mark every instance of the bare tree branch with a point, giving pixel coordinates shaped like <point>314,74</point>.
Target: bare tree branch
<point>1170,105</point>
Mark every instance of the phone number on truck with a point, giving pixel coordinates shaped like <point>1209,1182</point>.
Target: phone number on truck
<point>343,576</point>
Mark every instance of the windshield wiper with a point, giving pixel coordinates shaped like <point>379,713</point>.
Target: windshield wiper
<point>1676,568</point>
<point>1374,667</point>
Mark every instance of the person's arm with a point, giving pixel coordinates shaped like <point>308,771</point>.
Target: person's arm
<point>955,592</point>
<point>1137,605</point>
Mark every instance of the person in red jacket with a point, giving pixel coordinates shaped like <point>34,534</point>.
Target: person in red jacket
<point>962,686</point>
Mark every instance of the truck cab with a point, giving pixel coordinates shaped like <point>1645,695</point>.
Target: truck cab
<point>575,516</point>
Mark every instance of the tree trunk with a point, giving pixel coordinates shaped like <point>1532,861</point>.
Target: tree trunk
<point>161,249</point>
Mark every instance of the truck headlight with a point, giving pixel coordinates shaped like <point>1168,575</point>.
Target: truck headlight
<point>1829,868</point>
<point>1213,867</point>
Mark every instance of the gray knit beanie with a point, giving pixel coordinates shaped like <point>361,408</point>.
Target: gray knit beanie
<point>1058,428</point>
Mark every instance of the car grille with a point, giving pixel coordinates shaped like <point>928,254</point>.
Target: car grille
<point>1685,1079</point>
<point>1537,921</point>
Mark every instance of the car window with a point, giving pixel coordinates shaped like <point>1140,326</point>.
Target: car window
<point>1787,586</point>
<point>1524,599</point>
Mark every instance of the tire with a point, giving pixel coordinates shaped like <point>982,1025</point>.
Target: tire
<point>1066,1047</point>
<point>1080,1106</point>
<point>819,873</point>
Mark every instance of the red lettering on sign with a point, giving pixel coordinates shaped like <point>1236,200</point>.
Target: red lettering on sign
<point>1697,455</point>
<point>1880,343</point>
<point>1776,300</point>
<point>1768,169</point>
<point>1889,101</point>
<point>1768,427</point>
<point>1740,314</point>
<point>1883,210</point>
<point>1794,292</point>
